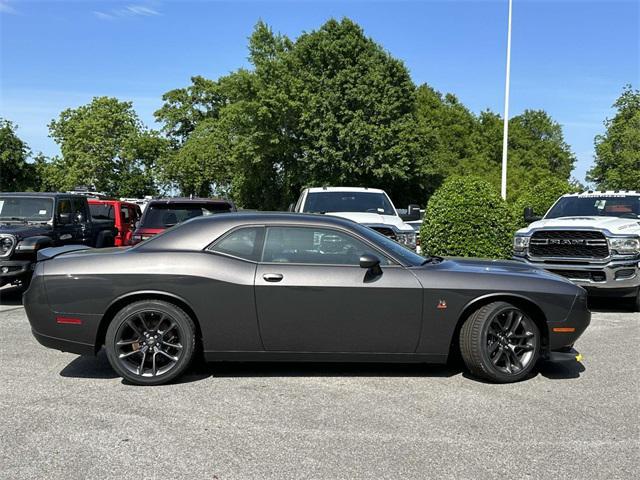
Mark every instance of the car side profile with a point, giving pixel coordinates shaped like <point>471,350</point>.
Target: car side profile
<point>296,287</point>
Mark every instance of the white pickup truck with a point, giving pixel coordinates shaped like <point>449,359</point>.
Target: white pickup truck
<point>368,206</point>
<point>591,238</point>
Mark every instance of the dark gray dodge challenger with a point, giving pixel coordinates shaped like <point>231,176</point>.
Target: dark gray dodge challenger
<point>277,286</point>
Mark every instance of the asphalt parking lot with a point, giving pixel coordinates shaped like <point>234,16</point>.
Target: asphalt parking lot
<point>70,417</point>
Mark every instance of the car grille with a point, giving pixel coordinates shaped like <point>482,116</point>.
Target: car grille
<point>569,244</point>
<point>581,275</point>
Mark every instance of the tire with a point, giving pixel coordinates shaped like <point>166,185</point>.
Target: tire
<point>150,342</point>
<point>500,343</point>
<point>637,301</point>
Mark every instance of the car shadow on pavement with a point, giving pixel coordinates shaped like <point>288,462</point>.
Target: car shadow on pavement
<point>609,305</point>
<point>561,370</point>
<point>11,296</point>
<point>99,368</point>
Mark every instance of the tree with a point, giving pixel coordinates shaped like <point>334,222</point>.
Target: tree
<point>104,145</point>
<point>330,108</point>
<point>16,174</point>
<point>617,159</point>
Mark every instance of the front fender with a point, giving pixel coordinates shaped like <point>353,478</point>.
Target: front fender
<point>33,244</point>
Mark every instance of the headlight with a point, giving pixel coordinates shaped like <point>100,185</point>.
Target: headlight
<point>520,243</point>
<point>624,245</point>
<point>7,242</point>
<point>407,239</point>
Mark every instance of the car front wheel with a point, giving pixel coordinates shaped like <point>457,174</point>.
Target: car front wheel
<point>500,342</point>
<point>150,342</point>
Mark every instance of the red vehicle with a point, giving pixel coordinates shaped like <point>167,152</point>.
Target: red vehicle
<point>124,214</point>
<point>162,214</point>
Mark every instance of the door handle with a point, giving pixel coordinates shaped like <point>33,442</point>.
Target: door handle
<point>272,277</point>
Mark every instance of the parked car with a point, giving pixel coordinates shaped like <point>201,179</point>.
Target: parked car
<point>278,286</point>
<point>368,206</point>
<point>125,216</point>
<point>591,238</point>
<point>140,202</point>
<point>164,213</point>
<point>30,222</point>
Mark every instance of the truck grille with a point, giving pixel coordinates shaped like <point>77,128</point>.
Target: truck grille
<point>569,244</point>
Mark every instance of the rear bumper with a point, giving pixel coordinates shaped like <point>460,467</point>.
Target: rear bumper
<point>64,345</point>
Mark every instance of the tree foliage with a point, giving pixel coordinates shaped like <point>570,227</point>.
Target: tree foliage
<point>540,197</point>
<point>104,145</point>
<point>16,173</point>
<point>617,159</point>
<point>466,217</point>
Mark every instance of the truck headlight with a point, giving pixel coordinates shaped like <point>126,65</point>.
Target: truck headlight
<point>407,239</point>
<point>7,242</point>
<point>625,245</point>
<point>520,243</point>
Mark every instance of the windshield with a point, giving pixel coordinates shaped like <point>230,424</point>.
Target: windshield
<point>625,206</point>
<point>167,215</point>
<point>372,202</point>
<point>409,257</point>
<point>36,209</point>
<point>101,211</point>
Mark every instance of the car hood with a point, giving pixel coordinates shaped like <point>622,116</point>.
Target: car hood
<point>615,225</point>
<point>24,230</point>
<point>497,267</point>
<point>368,218</point>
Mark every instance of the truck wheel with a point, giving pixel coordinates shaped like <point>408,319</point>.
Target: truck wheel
<point>150,342</point>
<point>500,342</point>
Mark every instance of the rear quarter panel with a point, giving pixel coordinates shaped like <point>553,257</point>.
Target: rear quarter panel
<point>219,290</point>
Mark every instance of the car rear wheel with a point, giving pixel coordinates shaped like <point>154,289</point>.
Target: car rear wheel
<point>150,342</point>
<point>500,342</point>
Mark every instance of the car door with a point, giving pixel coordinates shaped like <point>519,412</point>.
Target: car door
<point>66,226</point>
<point>312,295</point>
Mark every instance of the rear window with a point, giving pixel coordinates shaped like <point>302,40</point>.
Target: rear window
<point>102,211</point>
<point>167,215</point>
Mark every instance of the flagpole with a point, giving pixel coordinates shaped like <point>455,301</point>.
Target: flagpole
<point>505,133</point>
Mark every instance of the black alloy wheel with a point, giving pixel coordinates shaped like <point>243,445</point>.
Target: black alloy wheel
<point>150,342</point>
<point>500,342</point>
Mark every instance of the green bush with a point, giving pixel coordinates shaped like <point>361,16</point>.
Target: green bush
<point>466,217</point>
<point>540,197</point>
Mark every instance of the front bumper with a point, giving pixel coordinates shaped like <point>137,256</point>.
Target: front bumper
<point>615,275</point>
<point>11,270</point>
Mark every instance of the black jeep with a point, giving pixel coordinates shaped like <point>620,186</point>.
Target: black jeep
<point>32,221</point>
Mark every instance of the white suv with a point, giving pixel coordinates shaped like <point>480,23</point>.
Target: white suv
<point>368,206</point>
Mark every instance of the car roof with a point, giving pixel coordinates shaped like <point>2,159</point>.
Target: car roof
<point>37,194</point>
<point>168,201</point>
<point>344,189</point>
<point>596,193</point>
<point>197,233</point>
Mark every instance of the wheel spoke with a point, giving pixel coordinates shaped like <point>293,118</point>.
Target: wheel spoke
<point>142,320</point>
<point>492,348</point>
<point>498,356</point>
<point>171,357</point>
<point>516,324</point>
<point>154,370</point>
<point>171,326</point>
<point>516,361</point>
<point>508,321</point>
<point>128,354</point>
<point>172,345</point>
<point>134,327</point>
<point>141,367</point>
<point>127,342</point>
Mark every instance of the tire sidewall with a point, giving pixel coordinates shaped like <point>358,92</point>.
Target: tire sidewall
<point>499,375</point>
<point>185,327</point>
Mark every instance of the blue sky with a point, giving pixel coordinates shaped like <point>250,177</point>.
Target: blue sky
<point>570,58</point>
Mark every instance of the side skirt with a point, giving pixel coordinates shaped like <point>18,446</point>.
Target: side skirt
<point>324,357</point>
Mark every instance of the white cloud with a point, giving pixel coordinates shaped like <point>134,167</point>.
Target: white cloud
<point>6,8</point>
<point>133,10</point>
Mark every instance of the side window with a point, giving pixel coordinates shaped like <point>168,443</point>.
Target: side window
<point>64,206</point>
<point>124,213</point>
<point>243,243</point>
<point>79,213</point>
<point>310,245</point>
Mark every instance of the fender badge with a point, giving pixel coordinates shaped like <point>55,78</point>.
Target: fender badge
<point>442,305</point>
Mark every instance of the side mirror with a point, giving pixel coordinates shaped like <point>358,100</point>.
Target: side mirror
<point>64,218</point>
<point>413,213</point>
<point>137,224</point>
<point>529,216</point>
<point>292,207</point>
<point>369,261</point>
